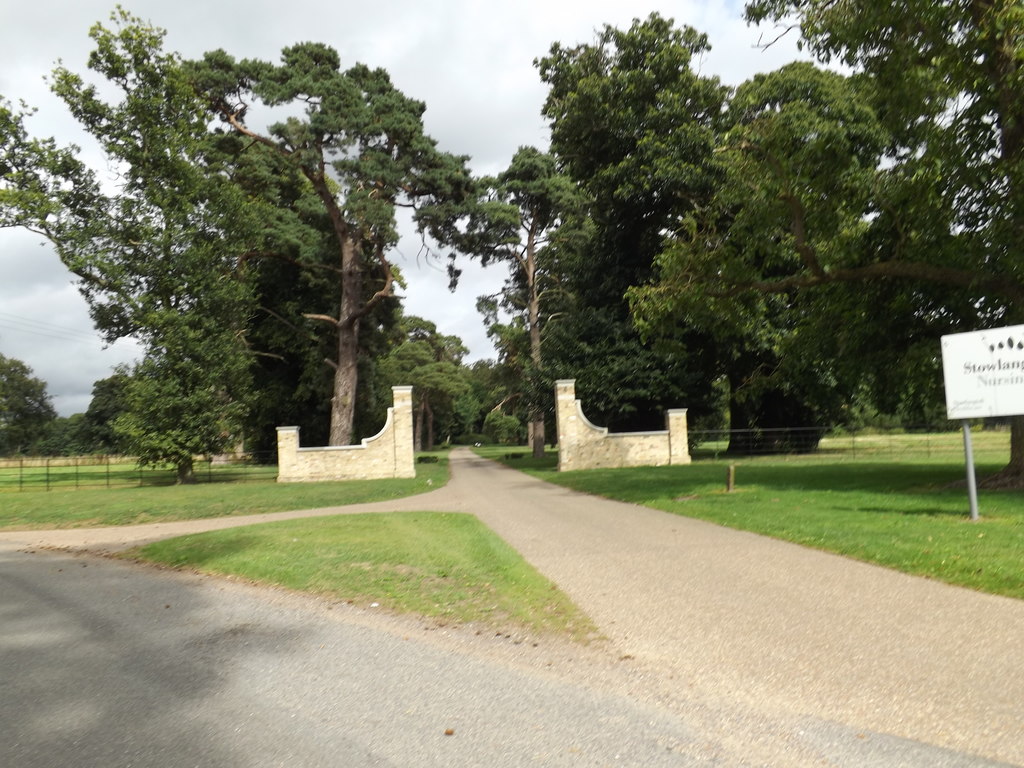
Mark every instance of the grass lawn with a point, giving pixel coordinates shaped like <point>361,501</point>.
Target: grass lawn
<point>904,515</point>
<point>130,506</point>
<point>447,566</point>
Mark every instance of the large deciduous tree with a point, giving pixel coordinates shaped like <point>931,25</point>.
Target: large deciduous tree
<point>946,79</point>
<point>157,256</point>
<point>360,143</point>
<point>633,126</point>
<point>156,248</point>
<point>25,408</point>
<point>799,150</point>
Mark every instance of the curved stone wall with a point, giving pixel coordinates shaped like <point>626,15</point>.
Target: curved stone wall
<point>583,445</point>
<point>387,454</point>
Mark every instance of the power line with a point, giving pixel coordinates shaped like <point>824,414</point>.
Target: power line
<point>42,328</point>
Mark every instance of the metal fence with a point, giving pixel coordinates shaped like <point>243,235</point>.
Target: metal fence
<point>841,443</point>
<point>787,444</point>
<point>58,473</point>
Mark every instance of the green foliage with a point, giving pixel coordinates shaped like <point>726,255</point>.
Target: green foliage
<point>65,436</point>
<point>633,127</point>
<point>25,409</point>
<point>632,124</point>
<point>181,401</point>
<point>798,149</point>
<point>152,257</point>
<point>361,147</point>
<point>945,81</point>
<point>107,403</point>
<point>40,183</point>
<point>431,363</point>
<point>503,428</point>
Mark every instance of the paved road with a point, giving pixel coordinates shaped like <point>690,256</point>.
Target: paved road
<point>723,649</point>
<point>104,664</point>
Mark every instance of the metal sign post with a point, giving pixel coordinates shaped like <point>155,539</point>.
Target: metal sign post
<point>983,372</point>
<point>972,484</point>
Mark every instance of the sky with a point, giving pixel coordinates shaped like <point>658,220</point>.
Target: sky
<point>470,61</point>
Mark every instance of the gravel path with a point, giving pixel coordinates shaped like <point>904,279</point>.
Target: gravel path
<point>770,648</point>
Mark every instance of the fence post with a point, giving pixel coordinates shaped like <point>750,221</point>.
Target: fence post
<point>47,474</point>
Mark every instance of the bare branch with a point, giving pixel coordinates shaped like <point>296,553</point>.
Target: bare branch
<point>384,293</point>
<point>782,29</point>
<point>324,318</point>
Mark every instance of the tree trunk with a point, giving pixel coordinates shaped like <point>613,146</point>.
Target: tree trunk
<point>1012,475</point>
<point>1016,464</point>
<point>430,424</point>
<point>346,378</point>
<point>533,318</point>
<point>417,430</point>
<point>186,472</point>
<point>537,438</point>
<point>346,374</point>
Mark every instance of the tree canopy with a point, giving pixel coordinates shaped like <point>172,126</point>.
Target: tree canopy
<point>785,251</point>
<point>945,80</point>
<point>524,210</point>
<point>157,257</point>
<point>360,144</point>
<point>25,408</point>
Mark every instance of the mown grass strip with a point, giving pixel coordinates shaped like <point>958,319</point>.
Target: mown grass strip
<point>446,566</point>
<point>131,506</point>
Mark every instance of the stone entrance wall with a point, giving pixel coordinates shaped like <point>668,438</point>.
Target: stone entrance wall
<point>581,445</point>
<point>387,454</point>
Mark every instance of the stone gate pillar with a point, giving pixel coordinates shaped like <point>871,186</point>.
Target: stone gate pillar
<point>287,453</point>
<point>678,437</point>
<point>567,423</point>
<point>401,413</point>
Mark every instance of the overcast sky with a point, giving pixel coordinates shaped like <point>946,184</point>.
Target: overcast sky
<point>470,61</point>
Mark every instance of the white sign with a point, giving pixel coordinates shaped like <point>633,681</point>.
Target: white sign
<point>984,373</point>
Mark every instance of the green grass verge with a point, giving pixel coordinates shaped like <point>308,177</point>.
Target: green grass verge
<point>447,566</point>
<point>130,506</point>
<point>906,516</point>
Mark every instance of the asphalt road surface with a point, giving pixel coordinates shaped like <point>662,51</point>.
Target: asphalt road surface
<point>723,649</point>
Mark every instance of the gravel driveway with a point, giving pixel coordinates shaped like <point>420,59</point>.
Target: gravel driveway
<point>759,652</point>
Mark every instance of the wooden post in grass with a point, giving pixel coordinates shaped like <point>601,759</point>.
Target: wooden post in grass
<point>730,478</point>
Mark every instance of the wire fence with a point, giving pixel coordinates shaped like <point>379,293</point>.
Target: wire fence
<point>58,473</point>
<point>63,473</point>
<point>990,444</point>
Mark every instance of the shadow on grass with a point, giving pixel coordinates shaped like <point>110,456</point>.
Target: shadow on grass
<point>199,550</point>
<point>845,476</point>
<point>910,512</point>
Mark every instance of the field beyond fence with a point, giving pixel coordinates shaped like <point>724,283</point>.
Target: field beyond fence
<point>990,445</point>
<point>79,472</point>
<point>48,473</point>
